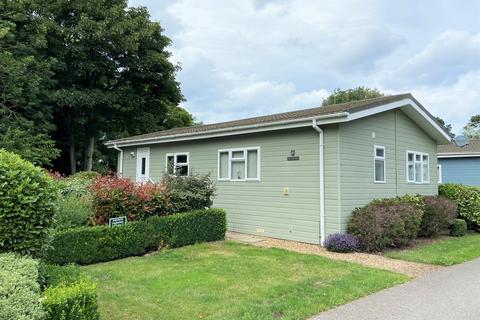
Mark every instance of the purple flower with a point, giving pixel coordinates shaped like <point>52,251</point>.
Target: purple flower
<point>339,242</point>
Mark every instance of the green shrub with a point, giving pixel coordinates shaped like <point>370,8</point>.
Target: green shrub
<point>458,227</point>
<point>73,212</point>
<point>27,207</point>
<point>114,196</point>
<point>385,223</point>
<point>467,199</point>
<point>68,293</point>
<point>86,245</point>
<point>19,289</point>
<point>72,301</point>
<point>78,184</point>
<point>437,214</point>
<point>182,194</point>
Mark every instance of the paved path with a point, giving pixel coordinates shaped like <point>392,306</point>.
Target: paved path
<point>447,294</point>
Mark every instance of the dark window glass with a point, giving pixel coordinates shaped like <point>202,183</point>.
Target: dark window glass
<point>182,158</point>
<point>182,170</point>
<point>144,164</point>
<point>170,165</point>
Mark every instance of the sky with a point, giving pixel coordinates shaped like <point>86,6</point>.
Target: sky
<point>247,58</point>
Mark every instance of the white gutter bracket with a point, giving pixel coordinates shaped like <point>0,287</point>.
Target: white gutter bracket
<point>322,181</point>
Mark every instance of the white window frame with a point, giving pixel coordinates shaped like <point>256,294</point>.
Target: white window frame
<point>244,158</point>
<point>384,159</point>
<point>439,167</point>
<point>415,154</point>
<point>174,155</point>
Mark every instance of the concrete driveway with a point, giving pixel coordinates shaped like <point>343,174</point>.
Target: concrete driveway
<point>447,294</point>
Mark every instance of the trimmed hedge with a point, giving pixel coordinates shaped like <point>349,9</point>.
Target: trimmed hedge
<point>27,205</point>
<point>70,294</point>
<point>77,301</point>
<point>86,245</point>
<point>458,228</point>
<point>19,289</point>
<point>467,199</point>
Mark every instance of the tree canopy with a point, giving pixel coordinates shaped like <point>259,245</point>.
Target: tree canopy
<point>76,72</point>
<point>25,76</point>
<point>355,94</point>
<point>472,129</point>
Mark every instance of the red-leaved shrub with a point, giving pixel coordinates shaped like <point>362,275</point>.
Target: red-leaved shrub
<point>114,196</point>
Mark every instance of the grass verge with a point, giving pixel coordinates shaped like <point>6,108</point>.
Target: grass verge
<point>227,280</point>
<point>446,252</point>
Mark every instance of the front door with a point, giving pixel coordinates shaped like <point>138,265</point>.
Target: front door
<point>143,164</point>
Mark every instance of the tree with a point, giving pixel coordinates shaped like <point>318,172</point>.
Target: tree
<point>113,76</point>
<point>25,75</point>
<point>447,126</point>
<point>472,129</point>
<point>355,94</point>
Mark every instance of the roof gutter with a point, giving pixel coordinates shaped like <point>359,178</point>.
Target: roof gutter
<point>322,180</point>
<point>239,129</point>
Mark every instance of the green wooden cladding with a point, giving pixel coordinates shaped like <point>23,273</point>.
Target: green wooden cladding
<point>265,208</point>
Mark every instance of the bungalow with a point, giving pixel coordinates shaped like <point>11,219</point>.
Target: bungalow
<point>459,164</point>
<point>298,175</point>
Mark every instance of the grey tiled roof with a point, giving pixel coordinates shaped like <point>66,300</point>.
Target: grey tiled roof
<point>472,147</point>
<point>350,107</point>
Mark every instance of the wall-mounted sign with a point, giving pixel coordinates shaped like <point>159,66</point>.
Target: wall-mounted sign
<point>292,156</point>
<point>117,221</point>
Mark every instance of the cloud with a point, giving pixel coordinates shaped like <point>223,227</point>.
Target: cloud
<point>252,57</point>
<point>454,103</point>
<point>442,61</point>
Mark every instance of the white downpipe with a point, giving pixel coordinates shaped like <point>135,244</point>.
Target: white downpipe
<point>322,182</point>
<point>120,163</point>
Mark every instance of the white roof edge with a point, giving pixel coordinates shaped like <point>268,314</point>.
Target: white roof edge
<point>285,124</point>
<point>458,154</point>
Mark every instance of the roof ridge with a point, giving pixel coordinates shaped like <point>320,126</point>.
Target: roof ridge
<point>292,114</point>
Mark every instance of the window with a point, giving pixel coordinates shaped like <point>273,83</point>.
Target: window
<point>239,164</point>
<point>379,164</point>
<point>177,164</point>
<point>418,167</point>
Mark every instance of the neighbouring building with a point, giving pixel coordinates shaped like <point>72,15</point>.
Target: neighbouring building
<point>459,164</point>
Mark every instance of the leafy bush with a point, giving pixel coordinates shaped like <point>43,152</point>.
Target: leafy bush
<point>73,212</point>
<point>467,199</point>
<point>70,294</point>
<point>437,214</point>
<point>458,227</point>
<point>385,223</point>
<point>339,242</point>
<point>19,289</point>
<point>114,196</point>
<point>86,245</point>
<point>27,207</point>
<point>79,183</point>
<point>183,194</point>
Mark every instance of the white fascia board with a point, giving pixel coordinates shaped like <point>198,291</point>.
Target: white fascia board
<point>458,155</point>
<point>271,126</point>
<point>398,104</point>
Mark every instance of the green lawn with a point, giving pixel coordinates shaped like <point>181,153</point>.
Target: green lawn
<point>227,280</point>
<point>445,253</point>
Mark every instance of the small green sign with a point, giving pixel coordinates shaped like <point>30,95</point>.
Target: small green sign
<point>117,221</point>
